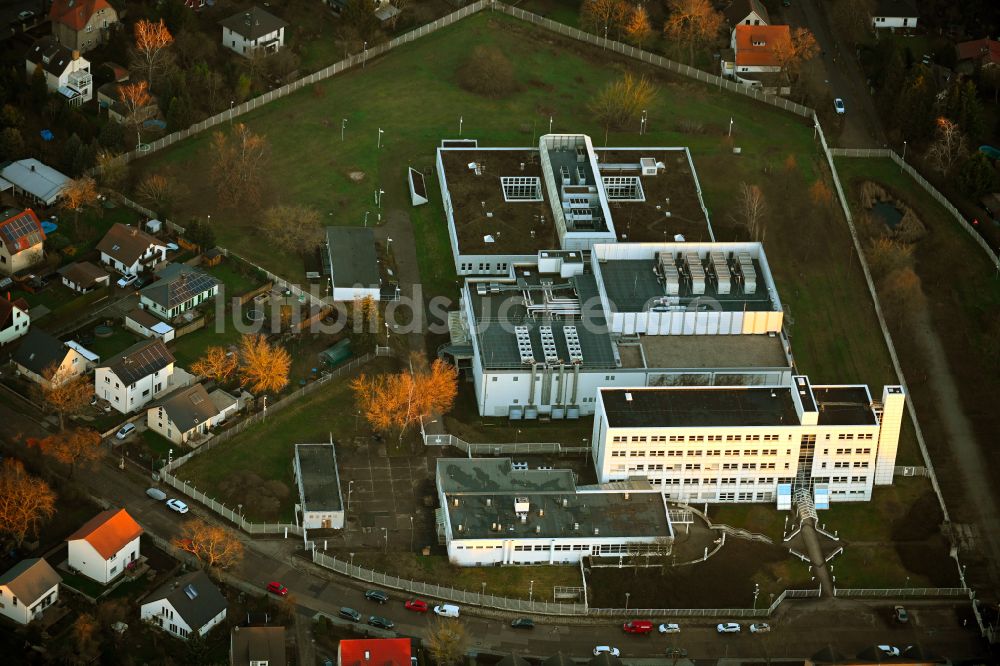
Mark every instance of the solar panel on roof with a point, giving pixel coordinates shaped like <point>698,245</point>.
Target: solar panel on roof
<point>187,286</point>
<point>22,231</point>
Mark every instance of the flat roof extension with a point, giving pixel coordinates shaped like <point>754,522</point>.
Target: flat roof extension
<point>685,407</point>
<point>319,482</point>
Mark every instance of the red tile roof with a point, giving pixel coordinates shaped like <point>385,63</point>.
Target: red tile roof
<point>755,44</point>
<point>108,532</point>
<point>380,652</point>
<point>21,231</point>
<point>987,49</point>
<point>76,13</point>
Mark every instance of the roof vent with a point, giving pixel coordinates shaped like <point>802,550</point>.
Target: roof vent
<point>628,397</point>
<point>190,592</point>
<point>596,531</point>
<point>538,529</point>
<point>576,526</point>
<point>460,527</point>
<point>454,501</point>
<point>368,655</point>
<point>626,495</point>
<point>565,502</point>
<point>489,501</point>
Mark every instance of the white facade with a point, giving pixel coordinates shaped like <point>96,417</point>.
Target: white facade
<point>149,304</point>
<point>74,81</point>
<point>17,325</point>
<point>148,329</point>
<point>237,43</point>
<point>745,463</point>
<point>73,365</point>
<point>888,22</point>
<point>159,422</point>
<point>162,613</point>
<point>127,398</point>
<point>14,609</point>
<point>84,558</point>
<point>154,252</point>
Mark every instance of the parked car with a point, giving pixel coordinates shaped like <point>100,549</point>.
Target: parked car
<point>127,280</point>
<point>606,649</point>
<point>670,628</point>
<point>125,431</point>
<point>173,247</point>
<point>156,494</point>
<point>447,610</point>
<point>890,650</point>
<point>677,653</point>
<point>728,628</point>
<point>900,614</point>
<point>760,628</point>
<point>25,15</point>
<point>378,596</point>
<point>638,627</point>
<point>523,623</point>
<point>141,282</point>
<point>380,622</point>
<point>274,587</point>
<point>416,605</point>
<point>838,106</point>
<point>177,505</point>
<point>350,614</point>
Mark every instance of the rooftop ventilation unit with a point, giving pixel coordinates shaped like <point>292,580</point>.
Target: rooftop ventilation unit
<point>721,268</point>
<point>581,176</point>
<point>521,505</point>
<point>648,166</point>
<point>581,154</point>
<point>548,344</point>
<point>697,272</point>
<point>749,273</point>
<point>564,174</point>
<point>190,592</point>
<point>524,344</point>
<point>573,344</point>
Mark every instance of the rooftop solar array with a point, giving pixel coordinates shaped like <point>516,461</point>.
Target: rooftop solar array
<point>140,360</point>
<point>21,231</point>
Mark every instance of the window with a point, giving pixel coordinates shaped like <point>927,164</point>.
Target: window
<point>859,479</point>
<point>841,465</point>
<point>861,465</point>
<point>692,466</point>
<point>730,466</point>
<point>727,496</point>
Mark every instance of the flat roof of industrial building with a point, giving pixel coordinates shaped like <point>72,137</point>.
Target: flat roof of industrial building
<point>485,490</point>
<point>319,481</point>
<point>710,351</point>
<point>669,407</point>
<point>844,405</point>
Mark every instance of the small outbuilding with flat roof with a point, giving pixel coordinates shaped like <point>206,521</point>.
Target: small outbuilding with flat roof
<point>352,263</point>
<point>320,500</point>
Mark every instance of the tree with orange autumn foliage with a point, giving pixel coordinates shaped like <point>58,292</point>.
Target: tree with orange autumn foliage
<point>215,546</point>
<point>64,396</point>
<point>77,195</point>
<point>795,49</point>
<point>263,366</point>
<point>638,30</point>
<point>604,17</point>
<point>71,447</point>
<point>393,403</point>
<point>217,364</point>
<point>135,98</point>
<point>25,501</point>
<point>692,22</point>
<point>151,42</point>
<point>238,162</point>
<point>820,193</point>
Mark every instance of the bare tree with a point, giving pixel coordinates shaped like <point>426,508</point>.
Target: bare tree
<point>135,98</point>
<point>447,641</point>
<point>692,22</point>
<point>752,209</point>
<point>239,161</point>
<point>604,17</point>
<point>151,43</point>
<point>948,146</point>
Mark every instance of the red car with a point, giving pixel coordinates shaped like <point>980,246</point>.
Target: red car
<point>638,627</point>
<point>416,605</point>
<point>277,588</point>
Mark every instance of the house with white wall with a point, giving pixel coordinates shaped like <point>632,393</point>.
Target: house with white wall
<point>187,605</point>
<point>895,14</point>
<point>82,24</point>
<point>34,180</point>
<point>49,362</point>
<point>129,250</point>
<point>187,414</point>
<point>22,240</point>
<point>495,515</point>
<point>135,377</point>
<point>352,263</point>
<point>14,320</point>
<point>252,31</point>
<point>700,444</point>
<point>753,59</point>
<point>27,589</point>
<point>177,289</point>
<point>105,545</point>
<point>66,72</point>
<point>148,326</point>
<point>745,12</point>
<point>83,276</point>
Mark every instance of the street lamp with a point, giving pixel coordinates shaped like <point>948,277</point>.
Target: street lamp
<point>904,156</point>
<point>170,457</point>
<point>386,334</point>
<point>730,126</point>
<point>380,133</point>
<point>531,589</point>
<point>460,119</point>
<point>364,59</point>
<point>627,595</point>
<point>642,127</point>
<point>350,488</point>
<point>388,244</point>
<point>550,124</point>
<point>231,103</point>
<point>411,532</point>
<point>756,591</point>
<point>385,533</point>
<point>366,218</point>
<point>378,197</point>
<point>343,126</point>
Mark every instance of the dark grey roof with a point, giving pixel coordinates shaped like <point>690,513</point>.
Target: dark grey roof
<point>605,659</point>
<point>83,273</point>
<point>739,10</point>
<point>352,256</point>
<point>253,23</point>
<point>559,659</point>
<point>497,475</point>
<point>179,286</point>
<point>28,580</point>
<point>50,54</point>
<point>193,596</point>
<point>319,482</point>
<point>254,644</point>
<point>39,350</point>
<point>844,405</point>
<point>140,360</point>
<point>693,407</point>
<point>143,318</point>
<point>896,9</point>
<point>513,660</point>
<point>188,407</point>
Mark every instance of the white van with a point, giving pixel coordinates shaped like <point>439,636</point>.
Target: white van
<point>446,610</point>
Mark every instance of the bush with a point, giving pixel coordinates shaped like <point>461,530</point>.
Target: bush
<point>621,102</point>
<point>487,72</point>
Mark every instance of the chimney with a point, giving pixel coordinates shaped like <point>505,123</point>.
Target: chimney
<point>626,495</point>
<point>76,55</point>
<point>538,529</point>
<point>489,501</point>
<point>596,531</point>
<point>368,655</point>
<point>32,167</point>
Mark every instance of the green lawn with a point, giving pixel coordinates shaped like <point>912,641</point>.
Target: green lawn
<point>189,348</point>
<point>238,278</point>
<point>758,518</point>
<point>266,449</point>
<point>159,445</point>
<point>119,341</point>
<point>75,309</point>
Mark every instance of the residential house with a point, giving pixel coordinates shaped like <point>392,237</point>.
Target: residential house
<point>133,378</point>
<point>108,99</point>
<point>188,605</point>
<point>371,651</point>
<point>253,30</point>
<point>384,10</point>
<point>754,53</point>
<point>179,288</point>
<point>34,180</point>
<point>892,14</point>
<point>83,276</point>
<point>257,646</point>
<point>745,12</point>
<point>130,250</point>
<point>82,25</point>
<point>66,71</point>
<point>195,4</point>
<point>22,240</point>
<point>27,589</point>
<point>352,263</point>
<point>49,362</point>
<point>105,545</point>
<point>148,326</point>
<point>14,319</point>
<point>188,413</point>
<point>981,52</point>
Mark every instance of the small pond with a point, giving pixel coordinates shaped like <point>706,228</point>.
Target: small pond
<point>885,211</point>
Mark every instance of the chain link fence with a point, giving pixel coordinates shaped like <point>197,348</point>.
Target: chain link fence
<point>896,592</point>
